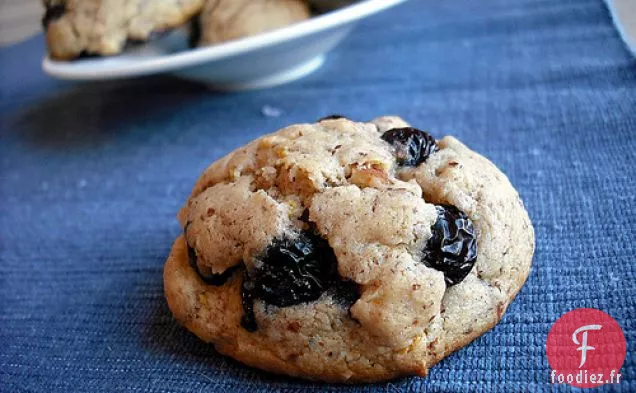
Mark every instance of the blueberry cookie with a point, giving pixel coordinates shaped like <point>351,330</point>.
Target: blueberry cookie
<point>103,27</point>
<point>348,252</point>
<point>225,20</point>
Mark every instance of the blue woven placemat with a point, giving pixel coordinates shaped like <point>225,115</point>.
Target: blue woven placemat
<point>92,176</point>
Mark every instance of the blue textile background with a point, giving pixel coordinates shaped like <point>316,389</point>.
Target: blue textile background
<point>92,176</point>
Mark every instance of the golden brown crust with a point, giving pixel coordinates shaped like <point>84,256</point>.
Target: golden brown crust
<point>218,323</point>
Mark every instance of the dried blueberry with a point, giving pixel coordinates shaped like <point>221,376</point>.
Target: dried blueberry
<point>345,293</point>
<point>304,217</point>
<point>293,271</point>
<point>452,248</point>
<point>248,320</point>
<point>332,117</point>
<point>412,146</point>
<point>53,13</point>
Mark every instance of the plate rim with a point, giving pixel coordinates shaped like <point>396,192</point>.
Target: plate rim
<point>193,57</point>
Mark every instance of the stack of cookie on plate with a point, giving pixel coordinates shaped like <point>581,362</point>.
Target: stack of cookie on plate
<point>77,28</point>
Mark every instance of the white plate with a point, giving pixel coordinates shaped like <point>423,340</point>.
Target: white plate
<point>265,60</point>
<point>624,16</point>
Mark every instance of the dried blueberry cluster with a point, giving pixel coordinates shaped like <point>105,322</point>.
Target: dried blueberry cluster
<point>293,271</point>
<point>412,146</point>
<point>452,248</point>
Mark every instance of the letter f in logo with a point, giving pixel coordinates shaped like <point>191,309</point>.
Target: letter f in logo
<point>584,347</point>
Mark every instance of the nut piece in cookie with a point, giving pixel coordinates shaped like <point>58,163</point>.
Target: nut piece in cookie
<point>348,251</point>
<point>225,20</point>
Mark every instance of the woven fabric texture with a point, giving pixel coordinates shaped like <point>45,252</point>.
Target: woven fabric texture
<point>92,176</point>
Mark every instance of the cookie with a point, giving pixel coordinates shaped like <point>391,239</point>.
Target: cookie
<point>103,27</point>
<point>225,20</point>
<point>344,251</point>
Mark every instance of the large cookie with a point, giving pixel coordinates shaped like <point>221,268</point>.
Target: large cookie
<point>103,27</point>
<point>348,252</point>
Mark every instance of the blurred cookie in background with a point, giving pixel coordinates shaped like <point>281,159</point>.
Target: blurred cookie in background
<point>225,20</point>
<point>81,28</point>
<point>76,28</point>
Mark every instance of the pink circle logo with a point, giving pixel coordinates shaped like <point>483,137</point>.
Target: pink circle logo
<point>586,348</point>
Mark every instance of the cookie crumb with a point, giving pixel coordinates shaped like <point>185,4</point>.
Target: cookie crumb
<point>270,111</point>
